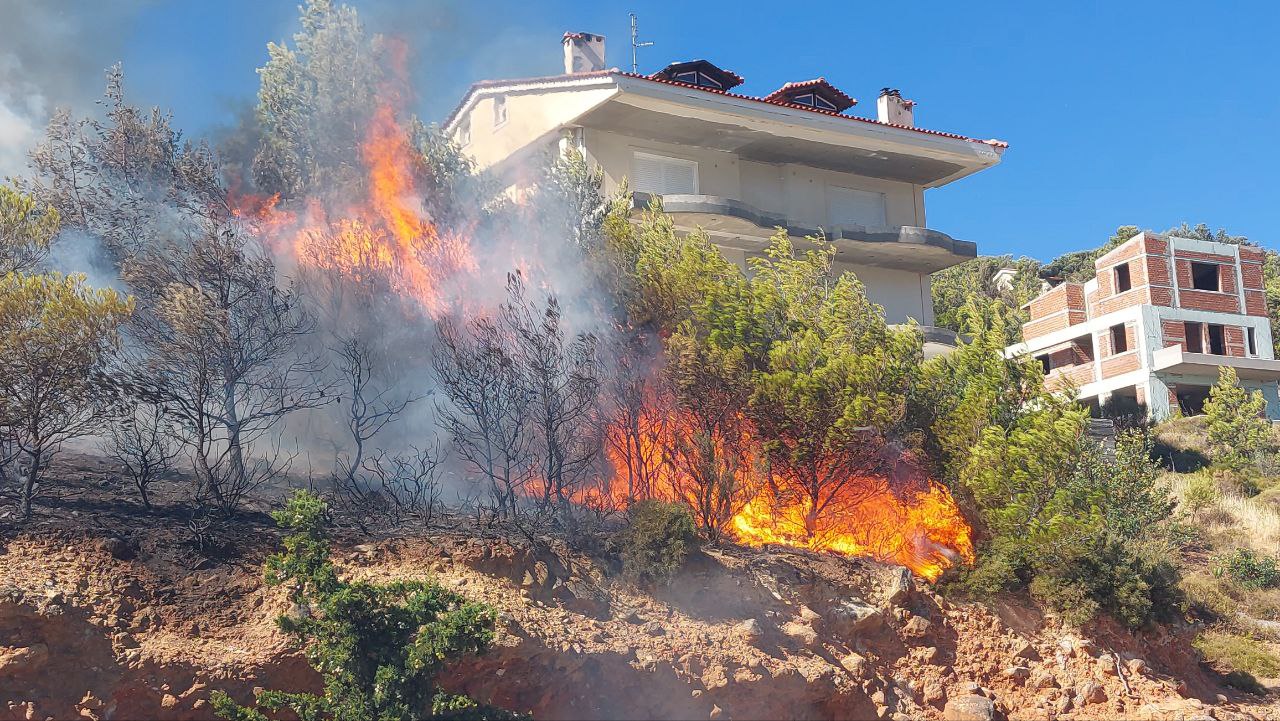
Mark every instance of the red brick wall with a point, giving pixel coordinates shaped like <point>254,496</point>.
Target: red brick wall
<point>1173,332</point>
<point>1208,300</point>
<point>1117,365</point>
<point>1234,336</point>
<point>1059,308</point>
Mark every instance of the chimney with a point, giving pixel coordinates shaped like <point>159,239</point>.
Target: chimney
<point>583,53</point>
<point>892,108</point>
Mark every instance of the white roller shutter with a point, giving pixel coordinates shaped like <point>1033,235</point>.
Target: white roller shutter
<point>856,207</point>
<point>664,176</point>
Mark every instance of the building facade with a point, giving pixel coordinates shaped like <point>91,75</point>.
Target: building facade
<point>741,166</point>
<point>1155,324</point>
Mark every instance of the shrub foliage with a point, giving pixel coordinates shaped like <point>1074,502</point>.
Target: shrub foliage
<point>379,647</point>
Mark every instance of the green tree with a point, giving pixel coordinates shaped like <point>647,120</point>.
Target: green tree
<point>26,230</point>
<point>315,101</point>
<point>960,394</point>
<point>1078,266</point>
<point>1238,429</point>
<point>57,338</point>
<point>379,647</point>
<point>956,288</point>
<point>831,383</point>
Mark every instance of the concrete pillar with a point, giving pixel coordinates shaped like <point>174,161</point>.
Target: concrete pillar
<point>1159,394</point>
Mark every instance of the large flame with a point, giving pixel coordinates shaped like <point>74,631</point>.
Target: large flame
<point>382,235</point>
<point>912,522</point>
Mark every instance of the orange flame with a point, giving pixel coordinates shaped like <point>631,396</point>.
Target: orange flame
<point>921,528</point>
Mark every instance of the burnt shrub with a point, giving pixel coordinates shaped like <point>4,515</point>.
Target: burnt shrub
<point>658,538</point>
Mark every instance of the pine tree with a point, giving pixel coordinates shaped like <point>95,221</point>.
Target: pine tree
<point>1238,430</point>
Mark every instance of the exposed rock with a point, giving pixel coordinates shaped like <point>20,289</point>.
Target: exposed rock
<point>808,615</point>
<point>654,628</point>
<point>120,549</point>
<point>1137,666</point>
<point>851,618</point>
<point>750,629</point>
<point>1042,678</point>
<point>855,664</point>
<point>1092,692</point>
<point>800,632</point>
<point>917,627</point>
<point>969,708</point>
<point>1022,648</point>
<point>22,660</point>
<point>1017,673</point>
<point>901,586</point>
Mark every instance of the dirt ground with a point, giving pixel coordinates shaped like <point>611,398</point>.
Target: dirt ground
<point>108,613</point>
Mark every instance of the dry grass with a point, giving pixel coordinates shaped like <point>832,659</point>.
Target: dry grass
<point>1230,652</point>
<point>1254,521</point>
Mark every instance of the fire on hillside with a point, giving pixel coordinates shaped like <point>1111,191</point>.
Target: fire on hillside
<point>389,239</point>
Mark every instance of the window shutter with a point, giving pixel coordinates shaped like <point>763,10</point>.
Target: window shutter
<point>664,176</point>
<point>857,207</point>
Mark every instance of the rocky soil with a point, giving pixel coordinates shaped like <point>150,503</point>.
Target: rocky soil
<point>121,618</point>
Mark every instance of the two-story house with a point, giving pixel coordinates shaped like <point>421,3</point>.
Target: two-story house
<point>1154,325</point>
<point>742,166</point>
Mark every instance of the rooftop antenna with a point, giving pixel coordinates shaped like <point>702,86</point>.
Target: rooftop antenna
<point>635,43</point>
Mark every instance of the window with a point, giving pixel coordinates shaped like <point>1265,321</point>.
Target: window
<point>848,207</point>
<point>464,131</point>
<point>1119,339</point>
<point>813,100</point>
<point>1045,365</point>
<point>1252,338</point>
<point>664,176</point>
<point>499,110</point>
<point>702,80</point>
<point>1204,276</point>
<point>1217,342</point>
<point>1123,282</point>
<point>1195,337</point>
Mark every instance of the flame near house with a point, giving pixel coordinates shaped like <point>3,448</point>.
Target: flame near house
<point>389,240</point>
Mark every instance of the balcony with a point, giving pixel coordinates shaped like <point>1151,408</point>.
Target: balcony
<point>740,225</point>
<point>1174,360</point>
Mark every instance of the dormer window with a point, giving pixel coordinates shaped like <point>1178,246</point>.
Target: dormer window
<point>814,101</point>
<point>699,73</point>
<point>817,94</point>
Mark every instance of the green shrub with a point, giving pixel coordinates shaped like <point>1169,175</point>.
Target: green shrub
<point>1250,569</point>
<point>656,542</point>
<point>1201,492</point>
<point>379,647</point>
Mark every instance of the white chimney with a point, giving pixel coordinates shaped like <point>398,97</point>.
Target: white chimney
<point>583,53</point>
<point>891,107</point>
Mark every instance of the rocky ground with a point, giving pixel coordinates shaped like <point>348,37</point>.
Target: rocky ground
<point>109,614</point>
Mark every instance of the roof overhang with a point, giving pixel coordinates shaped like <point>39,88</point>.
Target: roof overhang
<point>759,130</point>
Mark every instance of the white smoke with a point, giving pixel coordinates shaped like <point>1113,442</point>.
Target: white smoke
<point>52,54</point>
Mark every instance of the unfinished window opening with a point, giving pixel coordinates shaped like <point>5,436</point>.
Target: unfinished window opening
<point>1119,339</point>
<point>1204,276</point>
<point>1217,340</point>
<point>1123,281</point>
<point>1045,365</point>
<point>1194,336</point>
<point>1252,338</point>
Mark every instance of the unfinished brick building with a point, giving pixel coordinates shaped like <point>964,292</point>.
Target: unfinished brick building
<point>1155,324</point>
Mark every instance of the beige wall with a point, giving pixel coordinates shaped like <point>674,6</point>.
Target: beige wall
<point>530,116</point>
<point>903,294</point>
<point>795,192</point>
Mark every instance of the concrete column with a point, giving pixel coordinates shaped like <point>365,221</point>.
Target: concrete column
<point>1158,406</point>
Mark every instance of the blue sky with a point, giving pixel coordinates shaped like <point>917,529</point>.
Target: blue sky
<point>1116,112</point>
